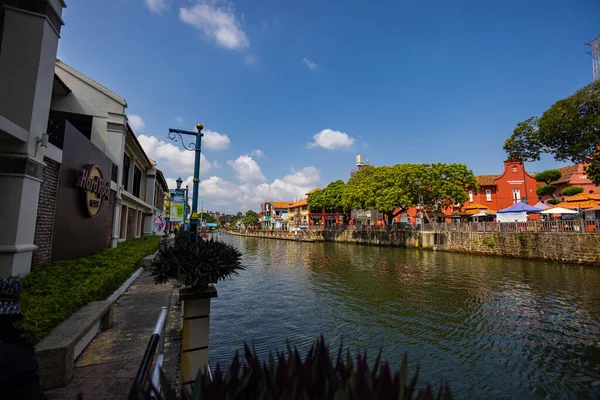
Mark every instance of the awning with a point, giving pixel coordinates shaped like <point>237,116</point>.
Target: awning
<point>520,207</point>
<point>559,210</point>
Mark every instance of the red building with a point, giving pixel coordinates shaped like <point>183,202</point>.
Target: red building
<point>574,175</point>
<point>502,191</point>
<point>496,191</point>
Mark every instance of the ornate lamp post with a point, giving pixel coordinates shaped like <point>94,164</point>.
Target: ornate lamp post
<point>198,149</point>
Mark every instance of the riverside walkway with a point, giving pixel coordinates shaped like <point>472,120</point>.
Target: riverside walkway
<point>107,367</point>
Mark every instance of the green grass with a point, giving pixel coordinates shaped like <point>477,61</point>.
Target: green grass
<point>53,292</point>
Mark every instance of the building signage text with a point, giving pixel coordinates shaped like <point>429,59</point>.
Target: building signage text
<point>515,182</point>
<point>95,187</point>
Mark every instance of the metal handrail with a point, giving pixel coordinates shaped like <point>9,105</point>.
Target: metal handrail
<point>156,342</point>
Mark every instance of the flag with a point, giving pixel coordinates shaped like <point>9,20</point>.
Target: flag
<point>159,223</point>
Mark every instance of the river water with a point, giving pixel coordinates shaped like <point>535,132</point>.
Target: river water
<point>492,327</point>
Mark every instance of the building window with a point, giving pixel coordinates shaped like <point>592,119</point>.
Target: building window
<point>126,166</point>
<point>471,196</point>
<point>488,194</point>
<point>123,224</point>
<point>514,169</point>
<point>137,179</point>
<point>516,195</point>
<point>114,173</point>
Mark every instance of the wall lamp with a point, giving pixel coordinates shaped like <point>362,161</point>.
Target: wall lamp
<point>43,141</point>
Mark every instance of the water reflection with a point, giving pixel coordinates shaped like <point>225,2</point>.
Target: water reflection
<point>493,327</point>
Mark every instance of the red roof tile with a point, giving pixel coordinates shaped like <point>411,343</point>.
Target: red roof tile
<point>486,180</point>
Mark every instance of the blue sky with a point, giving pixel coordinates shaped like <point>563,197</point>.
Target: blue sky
<point>398,81</point>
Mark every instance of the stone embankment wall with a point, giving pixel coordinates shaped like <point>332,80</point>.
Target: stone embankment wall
<point>579,248</point>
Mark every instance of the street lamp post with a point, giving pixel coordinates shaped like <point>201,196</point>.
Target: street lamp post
<point>198,149</point>
<point>185,209</point>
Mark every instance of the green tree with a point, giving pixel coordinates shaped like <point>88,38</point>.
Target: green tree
<point>572,191</point>
<point>330,199</point>
<point>239,214</point>
<point>554,201</point>
<point>250,219</point>
<point>392,190</point>
<point>569,130</point>
<point>546,177</point>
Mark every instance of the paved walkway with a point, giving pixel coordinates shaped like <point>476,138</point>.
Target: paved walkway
<point>107,367</point>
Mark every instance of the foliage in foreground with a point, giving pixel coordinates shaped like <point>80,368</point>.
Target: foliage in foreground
<point>53,292</point>
<point>200,264</point>
<point>286,375</point>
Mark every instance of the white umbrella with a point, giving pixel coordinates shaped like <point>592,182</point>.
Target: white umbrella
<point>559,210</point>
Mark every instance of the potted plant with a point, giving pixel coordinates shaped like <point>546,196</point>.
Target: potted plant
<point>198,266</point>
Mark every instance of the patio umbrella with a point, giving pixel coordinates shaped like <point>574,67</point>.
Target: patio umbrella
<point>559,210</point>
<point>541,205</point>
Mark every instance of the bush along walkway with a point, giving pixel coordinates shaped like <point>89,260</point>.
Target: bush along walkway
<point>107,367</point>
<point>51,293</point>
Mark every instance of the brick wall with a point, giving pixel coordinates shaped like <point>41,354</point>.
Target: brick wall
<point>112,200</point>
<point>45,216</point>
<point>131,223</point>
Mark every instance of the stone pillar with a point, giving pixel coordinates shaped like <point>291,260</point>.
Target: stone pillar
<point>29,37</point>
<point>196,324</point>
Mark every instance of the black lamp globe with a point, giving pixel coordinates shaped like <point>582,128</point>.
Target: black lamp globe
<point>179,182</point>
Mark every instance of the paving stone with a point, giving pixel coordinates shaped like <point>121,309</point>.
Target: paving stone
<point>107,367</point>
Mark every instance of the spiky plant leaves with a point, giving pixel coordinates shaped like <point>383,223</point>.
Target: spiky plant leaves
<point>200,264</point>
<point>286,375</point>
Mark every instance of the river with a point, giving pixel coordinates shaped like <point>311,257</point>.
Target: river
<point>492,327</point>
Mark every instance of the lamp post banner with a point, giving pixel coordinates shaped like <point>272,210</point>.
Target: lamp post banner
<point>177,205</point>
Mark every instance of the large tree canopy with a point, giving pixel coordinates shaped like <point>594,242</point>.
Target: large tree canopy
<point>329,198</point>
<point>391,190</point>
<point>569,130</point>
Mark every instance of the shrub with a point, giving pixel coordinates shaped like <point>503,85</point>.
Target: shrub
<point>196,264</point>
<point>53,292</point>
<point>554,201</point>
<point>572,191</point>
<point>286,375</point>
<point>545,190</point>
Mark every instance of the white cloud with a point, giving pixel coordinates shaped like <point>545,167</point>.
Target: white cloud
<point>156,6</point>
<point>250,59</point>
<point>247,170</point>
<point>137,123</point>
<point>215,140</point>
<point>257,153</point>
<point>217,21</point>
<point>179,119</point>
<point>304,178</point>
<point>331,140</point>
<point>172,155</point>
<point>309,64</point>
<point>227,196</point>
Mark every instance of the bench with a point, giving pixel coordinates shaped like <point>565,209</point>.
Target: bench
<point>57,352</point>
